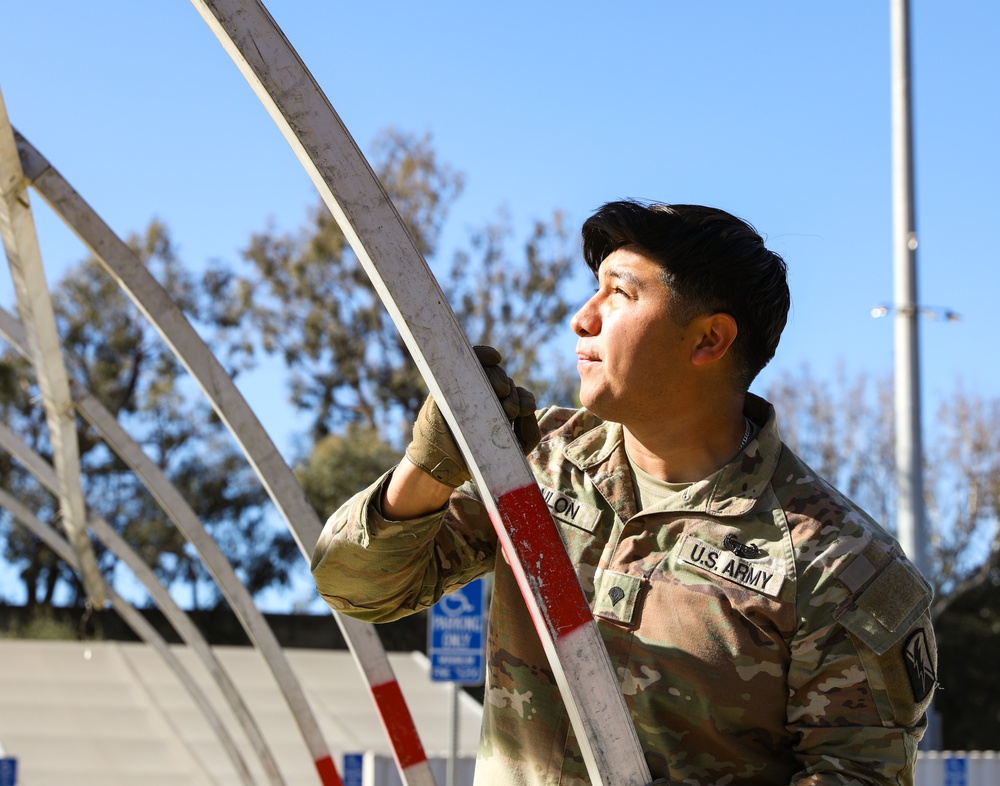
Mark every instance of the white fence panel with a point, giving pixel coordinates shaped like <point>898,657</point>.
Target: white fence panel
<point>934,768</point>
<point>379,770</point>
<point>957,768</point>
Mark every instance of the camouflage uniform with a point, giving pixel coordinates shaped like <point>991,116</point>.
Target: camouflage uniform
<point>764,629</point>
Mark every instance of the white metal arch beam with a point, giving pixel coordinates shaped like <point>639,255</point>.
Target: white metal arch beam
<point>187,521</point>
<point>104,532</point>
<point>531,541</point>
<point>144,631</point>
<point>276,476</point>
<point>20,241</point>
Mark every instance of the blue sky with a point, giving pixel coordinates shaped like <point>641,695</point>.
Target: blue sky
<point>778,112</point>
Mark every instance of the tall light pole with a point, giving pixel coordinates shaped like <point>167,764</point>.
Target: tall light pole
<point>911,522</point>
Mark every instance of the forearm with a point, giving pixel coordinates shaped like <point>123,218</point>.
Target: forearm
<point>371,568</point>
<point>398,546</point>
<point>411,493</point>
<point>377,569</point>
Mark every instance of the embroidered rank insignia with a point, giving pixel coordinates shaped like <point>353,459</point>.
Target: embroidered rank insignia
<point>919,666</point>
<point>759,575</point>
<point>618,596</point>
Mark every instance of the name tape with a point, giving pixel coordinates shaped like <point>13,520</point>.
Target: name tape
<point>570,510</point>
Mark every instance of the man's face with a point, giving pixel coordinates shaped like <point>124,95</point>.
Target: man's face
<point>632,356</point>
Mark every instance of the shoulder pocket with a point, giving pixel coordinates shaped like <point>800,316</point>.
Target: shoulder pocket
<point>887,606</point>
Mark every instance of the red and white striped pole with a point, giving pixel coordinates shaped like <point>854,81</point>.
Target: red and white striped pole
<point>407,750</point>
<point>431,332</point>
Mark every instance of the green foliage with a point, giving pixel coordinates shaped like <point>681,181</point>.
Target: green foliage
<point>968,636</point>
<point>307,299</point>
<point>112,352</point>
<point>42,623</point>
<point>341,465</point>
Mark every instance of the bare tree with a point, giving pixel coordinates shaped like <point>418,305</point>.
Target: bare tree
<point>844,428</point>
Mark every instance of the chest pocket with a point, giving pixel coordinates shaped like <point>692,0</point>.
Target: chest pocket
<point>618,597</point>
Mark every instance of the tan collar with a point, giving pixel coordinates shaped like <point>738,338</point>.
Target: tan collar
<point>732,491</point>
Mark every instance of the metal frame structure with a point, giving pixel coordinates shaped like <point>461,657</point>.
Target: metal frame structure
<point>187,521</point>
<point>270,467</point>
<point>20,241</point>
<point>142,628</point>
<point>431,332</point>
<point>276,476</point>
<point>399,274</point>
<point>181,622</point>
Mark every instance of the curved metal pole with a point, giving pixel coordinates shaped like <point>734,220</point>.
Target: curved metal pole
<point>20,241</point>
<point>143,630</point>
<point>530,539</point>
<point>217,564</point>
<point>276,476</point>
<point>181,622</point>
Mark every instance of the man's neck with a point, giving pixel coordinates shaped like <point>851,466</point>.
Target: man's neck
<point>689,448</point>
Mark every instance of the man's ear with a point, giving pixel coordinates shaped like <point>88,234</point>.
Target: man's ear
<point>718,332</point>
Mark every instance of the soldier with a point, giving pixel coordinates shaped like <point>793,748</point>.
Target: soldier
<point>765,629</point>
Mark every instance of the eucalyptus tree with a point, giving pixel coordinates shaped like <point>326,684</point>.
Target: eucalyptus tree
<point>112,351</point>
<point>304,298</point>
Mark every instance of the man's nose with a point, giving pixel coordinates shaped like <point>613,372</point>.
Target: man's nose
<point>585,322</point>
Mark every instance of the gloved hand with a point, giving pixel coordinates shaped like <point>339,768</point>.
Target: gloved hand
<point>433,448</point>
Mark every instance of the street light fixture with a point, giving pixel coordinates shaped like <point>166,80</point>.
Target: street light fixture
<point>930,312</point>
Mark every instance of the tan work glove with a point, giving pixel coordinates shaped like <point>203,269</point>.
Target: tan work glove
<point>433,448</point>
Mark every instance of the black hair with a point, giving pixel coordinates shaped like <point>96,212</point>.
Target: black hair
<point>712,261</point>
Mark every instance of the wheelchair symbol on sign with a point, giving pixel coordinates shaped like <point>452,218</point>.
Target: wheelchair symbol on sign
<point>456,604</point>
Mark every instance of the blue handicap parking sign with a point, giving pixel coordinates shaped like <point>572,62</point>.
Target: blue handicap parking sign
<point>8,771</point>
<point>353,769</point>
<point>456,636</point>
<point>955,771</point>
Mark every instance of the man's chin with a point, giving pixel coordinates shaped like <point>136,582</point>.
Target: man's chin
<point>596,405</point>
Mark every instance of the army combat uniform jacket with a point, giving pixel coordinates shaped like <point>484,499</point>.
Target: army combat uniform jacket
<point>764,629</point>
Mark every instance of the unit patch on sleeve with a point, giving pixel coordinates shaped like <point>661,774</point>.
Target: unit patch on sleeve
<point>570,510</point>
<point>759,575</point>
<point>919,666</point>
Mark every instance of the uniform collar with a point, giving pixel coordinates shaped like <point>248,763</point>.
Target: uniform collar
<point>732,491</point>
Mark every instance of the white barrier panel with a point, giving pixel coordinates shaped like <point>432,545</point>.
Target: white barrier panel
<point>380,770</point>
<point>957,768</point>
<point>934,768</point>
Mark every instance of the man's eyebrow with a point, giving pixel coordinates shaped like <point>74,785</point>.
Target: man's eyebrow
<point>622,274</point>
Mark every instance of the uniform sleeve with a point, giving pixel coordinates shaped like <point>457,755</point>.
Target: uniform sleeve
<point>861,680</point>
<point>378,570</point>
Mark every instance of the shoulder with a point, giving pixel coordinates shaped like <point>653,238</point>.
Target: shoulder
<point>824,524</point>
<point>846,563</point>
<point>853,578</point>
